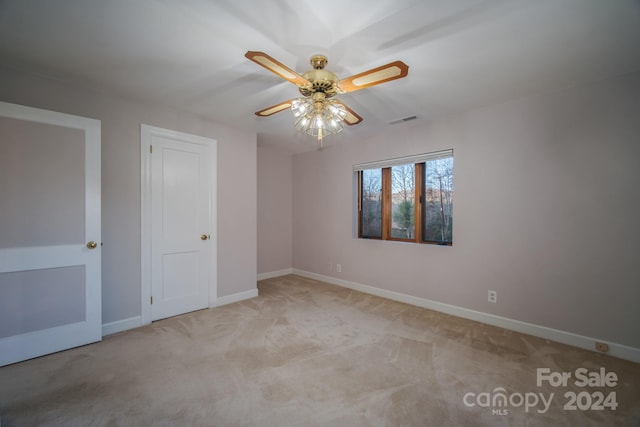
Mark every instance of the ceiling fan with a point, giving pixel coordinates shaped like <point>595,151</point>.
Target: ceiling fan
<point>316,113</point>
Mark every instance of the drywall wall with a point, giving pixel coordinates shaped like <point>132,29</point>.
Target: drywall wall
<point>546,201</point>
<point>274,210</point>
<point>121,119</point>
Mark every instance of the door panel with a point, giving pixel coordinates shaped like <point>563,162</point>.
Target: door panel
<point>180,189</point>
<point>175,268</point>
<point>42,171</point>
<point>181,176</point>
<point>50,285</point>
<point>28,299</point>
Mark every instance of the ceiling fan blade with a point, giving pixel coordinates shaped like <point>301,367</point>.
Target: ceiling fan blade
<point>277,67</point>
<point>392,71</point>
<point>274,109</point>
<point>352,118</point>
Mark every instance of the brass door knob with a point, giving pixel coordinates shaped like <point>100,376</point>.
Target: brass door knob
<point>204,237</point>
<point>92,245</point>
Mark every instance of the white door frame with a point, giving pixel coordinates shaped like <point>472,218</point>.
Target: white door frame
<point>146,134</point>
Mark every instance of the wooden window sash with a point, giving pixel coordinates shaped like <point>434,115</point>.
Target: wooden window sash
<point>386,203</point>
<point>419,199</point>
<point>360,204</point>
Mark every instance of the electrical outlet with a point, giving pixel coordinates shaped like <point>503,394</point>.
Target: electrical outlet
<point>603,347</point>
<point>330,267</point>
<point>338,268</point>
<point>493,296</point>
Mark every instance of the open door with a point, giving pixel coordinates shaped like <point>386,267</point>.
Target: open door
<point>50,254</point>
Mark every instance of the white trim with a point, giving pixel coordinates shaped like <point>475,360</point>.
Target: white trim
<point>417,158</point>
<point>145,225</point>
<point>240,296</point>
<point>121,325</point>
<point>616,350</point>
<point>136,322</point>
<point>146,132</point>
<point>278,273</point>
<point>23,112</point>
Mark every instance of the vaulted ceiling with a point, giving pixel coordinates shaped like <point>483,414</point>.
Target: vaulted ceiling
<point>189,54</point>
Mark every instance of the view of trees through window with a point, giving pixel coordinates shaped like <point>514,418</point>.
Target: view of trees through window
<point>403,184</point>
<point>371,211</point>
<point>438,201</point>
<point>400,201</point>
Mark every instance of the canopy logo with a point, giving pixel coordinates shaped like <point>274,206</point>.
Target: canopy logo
<point>500,401</point>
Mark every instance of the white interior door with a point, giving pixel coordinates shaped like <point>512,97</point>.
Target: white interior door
<point>182,234</point>
<point>50,279</point>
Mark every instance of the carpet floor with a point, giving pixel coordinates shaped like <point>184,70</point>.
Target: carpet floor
<point>306,353</point>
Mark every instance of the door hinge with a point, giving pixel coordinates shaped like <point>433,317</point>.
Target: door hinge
<point>151,299</point>
<point>150,149</point>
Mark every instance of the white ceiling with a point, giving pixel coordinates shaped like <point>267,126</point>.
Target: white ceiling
<point>189,54</point>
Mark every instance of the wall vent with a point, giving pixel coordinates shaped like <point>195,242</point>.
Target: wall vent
<point>406,119</point>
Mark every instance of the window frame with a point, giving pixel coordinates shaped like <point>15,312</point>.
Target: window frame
<point>419,163</point>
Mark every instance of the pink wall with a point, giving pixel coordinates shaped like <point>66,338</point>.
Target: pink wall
<point>274,210</point>
<point>546,212</point>
<point>121,119</point>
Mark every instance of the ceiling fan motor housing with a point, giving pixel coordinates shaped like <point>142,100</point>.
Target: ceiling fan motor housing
<point>321,80</point>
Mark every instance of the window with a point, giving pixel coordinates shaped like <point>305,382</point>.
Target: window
<point>371,202</point>
<point>437,207</point>
<point>407,199</point>
<point>403,185</point>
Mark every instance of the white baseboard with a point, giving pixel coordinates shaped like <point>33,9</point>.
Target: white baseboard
<point>278,273</point>
<point>135,322</point>
<point>616,350</point>
<point>121,325</point>
<point>240,296</point>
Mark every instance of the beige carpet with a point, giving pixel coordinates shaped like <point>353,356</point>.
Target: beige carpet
<point>306,353</point>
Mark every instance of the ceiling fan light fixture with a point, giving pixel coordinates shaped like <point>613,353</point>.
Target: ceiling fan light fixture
<point>318,117</point>
<point>300,106</point>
